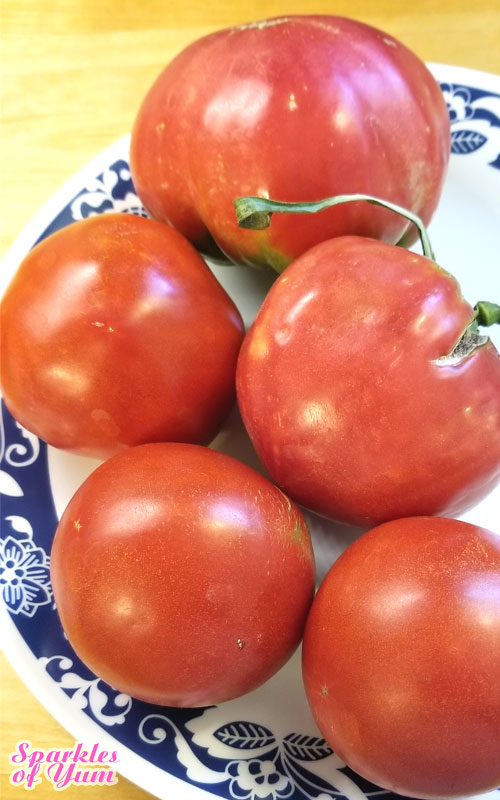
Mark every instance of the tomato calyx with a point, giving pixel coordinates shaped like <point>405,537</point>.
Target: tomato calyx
<point>255,212</point>
<point>485,315</point>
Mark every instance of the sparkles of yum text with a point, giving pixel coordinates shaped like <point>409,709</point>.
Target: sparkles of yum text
<point>82,765</point>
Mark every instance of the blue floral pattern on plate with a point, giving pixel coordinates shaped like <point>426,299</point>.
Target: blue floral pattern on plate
<point>475,119</point>
<point>226,750</point>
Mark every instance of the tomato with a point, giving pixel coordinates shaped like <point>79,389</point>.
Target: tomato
<point>348,388</point>
<point>182,576</point>
<point>401,657</point>
<point>296,108</point>
<point>115,332</point>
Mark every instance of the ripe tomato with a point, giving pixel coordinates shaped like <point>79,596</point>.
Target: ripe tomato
<point>115,332</point>
<point>401,657</point>
<point>297,108</point>
<point>343,393</point>
<point>182,576</point>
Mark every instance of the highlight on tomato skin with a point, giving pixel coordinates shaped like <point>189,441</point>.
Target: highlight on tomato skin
<point>401,657</point>
<point>296,108</point>
<point>114,333</point>
<point>182,577</point>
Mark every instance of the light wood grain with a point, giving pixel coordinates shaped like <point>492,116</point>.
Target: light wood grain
<point>74,72</point>
<point>73,75</point>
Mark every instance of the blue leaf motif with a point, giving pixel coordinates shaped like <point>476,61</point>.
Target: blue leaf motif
<point>245,735</point>
<point>306,748</point>
<point>21,525</point>
<point>465,142</point>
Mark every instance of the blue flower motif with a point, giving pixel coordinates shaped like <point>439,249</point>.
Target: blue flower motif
<point>459,102</point>
<point>24,575</point>
<point>258,779</point>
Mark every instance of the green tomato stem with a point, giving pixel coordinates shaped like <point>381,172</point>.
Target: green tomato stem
<point>487,313</point>
<point>256,212</point>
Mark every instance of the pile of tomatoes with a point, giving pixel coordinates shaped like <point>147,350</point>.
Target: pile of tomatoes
<point>372,397</point>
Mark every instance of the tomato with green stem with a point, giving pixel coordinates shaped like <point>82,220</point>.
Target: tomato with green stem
<point>364,382</point>
<point>296,107</point>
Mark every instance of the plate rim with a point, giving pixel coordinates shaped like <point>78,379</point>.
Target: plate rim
<point>133,767</point>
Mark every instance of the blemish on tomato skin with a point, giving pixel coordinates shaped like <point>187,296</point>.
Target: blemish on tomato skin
<point>259,346</point>
<point>468,343</point>
<point>240,643</point>
<point>260,24</point>
<point>109,328</point>
<point>296,534</point>
<point>77,524</point>
<point>105,422</point>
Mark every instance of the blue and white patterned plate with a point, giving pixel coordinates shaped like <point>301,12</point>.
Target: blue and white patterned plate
<point>265,745</point>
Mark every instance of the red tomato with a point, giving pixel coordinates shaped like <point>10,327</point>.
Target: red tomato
<point>182,576</point>
<point>297,108</point>
<point>115,333</point>
<point>401,657</point>
<point>342,393</point>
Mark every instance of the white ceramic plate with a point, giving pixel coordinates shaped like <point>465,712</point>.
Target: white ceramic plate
<point>264,745</point>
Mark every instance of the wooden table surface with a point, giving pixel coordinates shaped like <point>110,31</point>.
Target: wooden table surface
<point>73,75</point>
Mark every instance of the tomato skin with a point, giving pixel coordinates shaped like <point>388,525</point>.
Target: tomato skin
<point>182,576</point>
<point>339,388</point>
<point>115,333</point>
<point>296,109</point>
<point>401,657</point>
